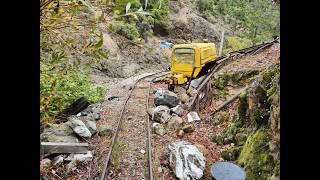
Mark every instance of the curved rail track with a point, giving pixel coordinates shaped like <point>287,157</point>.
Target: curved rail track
<point>135,137</point>
<point>203,97</point>
<point>133,126</point>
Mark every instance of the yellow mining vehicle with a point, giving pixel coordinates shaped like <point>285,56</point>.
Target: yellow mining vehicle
<point>190,61</point>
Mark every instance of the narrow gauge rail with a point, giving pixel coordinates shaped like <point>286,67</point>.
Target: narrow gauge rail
<point>199,101</point>
<point>138,130</point>
<point>203,96</point>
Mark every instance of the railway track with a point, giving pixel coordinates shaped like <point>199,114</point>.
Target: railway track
<point>204,94</point>
<point>132,136</point>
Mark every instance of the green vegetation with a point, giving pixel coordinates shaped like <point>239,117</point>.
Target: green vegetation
<point>255,156</point>
<point>135,21</point>
<point>205,7</point>
<point>59,87</point>
<point>254,126</point>
<point>127,30</point>
<point>256,20</point>
<point>118,149</point>
<point>70,45</point>
<point>234,43</point>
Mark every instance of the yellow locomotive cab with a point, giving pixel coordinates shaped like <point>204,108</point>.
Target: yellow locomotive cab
<point>189,60</point>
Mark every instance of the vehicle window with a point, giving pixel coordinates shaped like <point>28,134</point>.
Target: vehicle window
<point>184,56</point>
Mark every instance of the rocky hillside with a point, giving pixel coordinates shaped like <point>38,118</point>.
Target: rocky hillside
<point>98,43</point>
<point>253,133</point>
<point>97,49</point>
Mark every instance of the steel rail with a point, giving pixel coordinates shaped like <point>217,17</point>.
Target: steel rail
<point>107,162</point>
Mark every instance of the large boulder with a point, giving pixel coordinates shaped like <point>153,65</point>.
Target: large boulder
<point>186,161</point>
<point>167,98</point>
<point>160,114</point>
<point>59,133</point>
<point>79,127</point>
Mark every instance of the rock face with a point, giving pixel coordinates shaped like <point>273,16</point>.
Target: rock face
<point>167,98</point>
<point>199,27</point>
<point>161,114</point>
<point>159,129</point>
<point>186,160</point>
<point>175,123</point>
<point>79,127</point>
<point>59,133</point>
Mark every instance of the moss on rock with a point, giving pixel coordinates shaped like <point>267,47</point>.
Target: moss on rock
<point>255,157</point>
<point>258,112</point>
<point>231,154</point>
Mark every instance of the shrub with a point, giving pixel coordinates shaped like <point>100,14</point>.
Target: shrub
<point>120,5</point>
<point>130,31</point>
<point>205,5</point>
<point>145,25</point>
<point>61,86</point>
<point>259,18</point>
<point>235,43</point>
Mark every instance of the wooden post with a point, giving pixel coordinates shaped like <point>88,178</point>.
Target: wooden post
<point>52,147</point>
<point>221,43</point>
